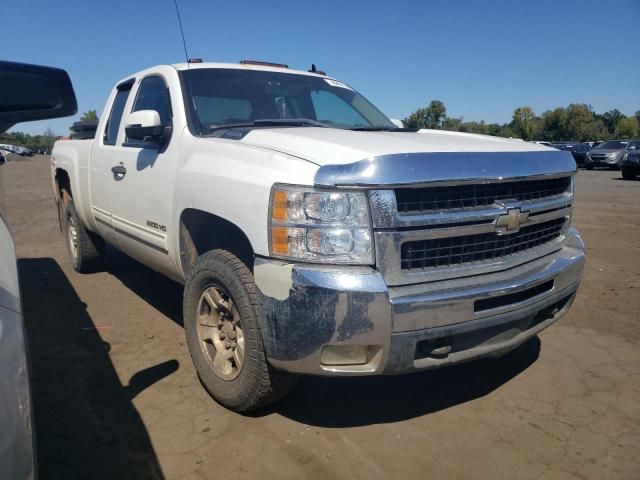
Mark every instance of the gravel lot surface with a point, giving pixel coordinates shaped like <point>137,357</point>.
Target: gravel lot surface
<point>116,395</point>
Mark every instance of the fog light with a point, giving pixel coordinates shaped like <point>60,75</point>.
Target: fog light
<point>344,355</point>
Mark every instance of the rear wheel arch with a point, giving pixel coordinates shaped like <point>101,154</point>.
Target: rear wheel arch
<point>201,232</point>
<point>63,183</point>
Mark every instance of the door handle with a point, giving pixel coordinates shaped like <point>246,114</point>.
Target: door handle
<point>119,170</point>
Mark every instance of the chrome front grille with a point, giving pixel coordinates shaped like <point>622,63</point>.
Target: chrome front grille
<point>477,195</point>
<point>468,228</point>
<point>447,251</point>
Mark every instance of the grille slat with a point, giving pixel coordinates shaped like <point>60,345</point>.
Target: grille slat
<point>415,200</point>
<point>450,251</point>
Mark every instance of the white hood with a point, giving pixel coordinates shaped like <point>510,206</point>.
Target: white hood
<point>325,146</point>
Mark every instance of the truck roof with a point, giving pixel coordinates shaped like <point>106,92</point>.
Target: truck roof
<point>239,66</point>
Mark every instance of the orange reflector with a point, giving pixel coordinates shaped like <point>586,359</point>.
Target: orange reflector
<point>279,211</point>
<point>280,239</point>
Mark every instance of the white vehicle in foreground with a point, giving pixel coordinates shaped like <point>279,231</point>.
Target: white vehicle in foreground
<point>312,235</point>
<point>27,92</point>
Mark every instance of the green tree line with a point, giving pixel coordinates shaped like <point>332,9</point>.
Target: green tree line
<point>33,142</point>
<point>576,122</point>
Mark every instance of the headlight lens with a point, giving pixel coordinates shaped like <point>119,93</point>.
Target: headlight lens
<point>320,225</point>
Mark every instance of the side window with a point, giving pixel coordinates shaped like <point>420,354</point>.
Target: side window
<point>328,105</point>
<point>153,94</point>
<point>117,109</point>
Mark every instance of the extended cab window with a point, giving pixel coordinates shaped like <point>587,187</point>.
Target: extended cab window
<point>117,109</point>
<point>153,94</point>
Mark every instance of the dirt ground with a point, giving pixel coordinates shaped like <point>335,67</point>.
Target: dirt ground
<point>116,395</point>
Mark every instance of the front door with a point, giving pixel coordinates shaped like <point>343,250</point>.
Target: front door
<point>142,195</point>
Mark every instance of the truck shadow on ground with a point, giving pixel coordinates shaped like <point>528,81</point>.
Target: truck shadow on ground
<point>162,293</point>
<point>354,401</point>
<point>86,425</point>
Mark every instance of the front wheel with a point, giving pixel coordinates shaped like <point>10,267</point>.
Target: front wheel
<point>588,167</point>
<point>222,325</point>
<point>628,173</point>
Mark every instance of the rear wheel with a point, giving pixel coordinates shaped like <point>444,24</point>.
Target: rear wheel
<point>86,249</point>
<point>222,325</point>
<point>628,173</point>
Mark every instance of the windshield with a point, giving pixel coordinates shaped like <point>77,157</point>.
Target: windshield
<point>217,97</point>
<point>613,145</point>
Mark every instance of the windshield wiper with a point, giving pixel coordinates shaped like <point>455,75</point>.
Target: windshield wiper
<point>271,122</point>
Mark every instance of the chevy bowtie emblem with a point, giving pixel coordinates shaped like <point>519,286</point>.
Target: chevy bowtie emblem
<point>512,220</point>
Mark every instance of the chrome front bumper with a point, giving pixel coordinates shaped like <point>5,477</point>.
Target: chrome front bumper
<point>414,327</point>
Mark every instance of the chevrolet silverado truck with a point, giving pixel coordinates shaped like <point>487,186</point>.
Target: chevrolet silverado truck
<point>312,234</point>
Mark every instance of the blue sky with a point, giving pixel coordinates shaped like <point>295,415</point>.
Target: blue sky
<point>481,58</point>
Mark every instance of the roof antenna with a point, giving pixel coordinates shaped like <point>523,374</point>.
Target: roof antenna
<point>184,43</point>
<point>315,70</point>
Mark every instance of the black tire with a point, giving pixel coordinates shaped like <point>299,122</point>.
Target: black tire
<point>88,254</point>
<point>588,167</point>
<point>628,174</point>
<point>257,383</point>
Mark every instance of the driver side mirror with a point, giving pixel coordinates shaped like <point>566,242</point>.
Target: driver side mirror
<point>145,125</point>
<point>633,147</point>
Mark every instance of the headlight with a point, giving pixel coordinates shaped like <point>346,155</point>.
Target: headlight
<point>625,156</point>
<point>614,154</point>
<point>325,226</point>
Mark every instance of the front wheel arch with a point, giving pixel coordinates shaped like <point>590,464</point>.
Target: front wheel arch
<point>201,232</point>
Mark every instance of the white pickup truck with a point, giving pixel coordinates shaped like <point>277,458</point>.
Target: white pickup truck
<point>314,236</point>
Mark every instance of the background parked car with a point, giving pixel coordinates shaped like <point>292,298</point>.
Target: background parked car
<point>608,154</point>
<point>578,150</point>
<point>631,161</point>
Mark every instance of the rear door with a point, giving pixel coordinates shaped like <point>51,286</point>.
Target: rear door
<point>106,152</point>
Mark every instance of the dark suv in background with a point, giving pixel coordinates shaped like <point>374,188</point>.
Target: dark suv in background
<point>631,161</point>
<point>578,150</point>
<point>609,154</point>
